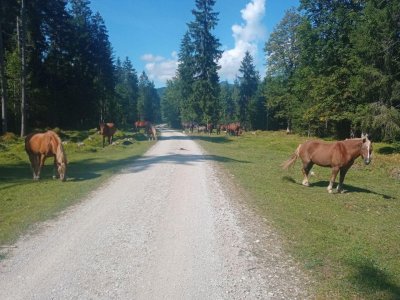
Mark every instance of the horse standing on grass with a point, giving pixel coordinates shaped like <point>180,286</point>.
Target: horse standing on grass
<point>141,124</point>
<point>39,146</point>
<point>234,129</point>
<point>339,155</point>
<point>107,130</point>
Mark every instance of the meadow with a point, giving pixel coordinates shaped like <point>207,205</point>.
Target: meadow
<point>349,243</point>
<point>25,202</point>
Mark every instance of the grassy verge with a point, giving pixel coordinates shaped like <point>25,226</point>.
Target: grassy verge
<point>349,242</point>
<point>24,202</point>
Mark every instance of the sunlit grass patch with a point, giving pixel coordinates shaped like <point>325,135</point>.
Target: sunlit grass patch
<point>347,241</point>
<point>23,202</point>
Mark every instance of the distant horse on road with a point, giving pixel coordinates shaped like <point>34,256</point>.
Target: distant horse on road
<point>339,155</point>
<point>107,130</point>
<point>152,132</point>
<point>39,146</point>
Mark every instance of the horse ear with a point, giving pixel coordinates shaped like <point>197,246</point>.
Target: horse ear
<point>365,137</point>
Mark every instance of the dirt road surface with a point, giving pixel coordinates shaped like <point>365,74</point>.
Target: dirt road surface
<point>170,226</point>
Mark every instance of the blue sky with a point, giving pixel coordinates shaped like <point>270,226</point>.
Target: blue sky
<point>150,32</point>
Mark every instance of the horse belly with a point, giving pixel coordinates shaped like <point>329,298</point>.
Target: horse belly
<point>321,155</point>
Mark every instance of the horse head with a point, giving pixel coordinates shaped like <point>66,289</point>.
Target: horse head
<point>62,168</point>
<point>61,161</point>
<point>102,125</point>
<point>366,149</point>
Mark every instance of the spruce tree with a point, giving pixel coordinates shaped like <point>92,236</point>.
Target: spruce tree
<point>205,55</point>
<point>248,81</point>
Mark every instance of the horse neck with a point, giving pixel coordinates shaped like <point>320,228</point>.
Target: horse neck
<point>60,156</point>
<point>353,147</point>
<point>59,149</point>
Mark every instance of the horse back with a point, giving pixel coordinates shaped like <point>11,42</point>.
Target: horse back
<point>108,129</point>
<point>111,128</point>
<point>42,143</point>
<point>324,154</point>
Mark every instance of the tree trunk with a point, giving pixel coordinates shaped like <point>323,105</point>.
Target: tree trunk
<point>23,69</point>
<point>3,90</point>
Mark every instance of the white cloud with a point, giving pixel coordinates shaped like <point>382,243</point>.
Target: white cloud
<point>159,68</point>
<point>247,35</point>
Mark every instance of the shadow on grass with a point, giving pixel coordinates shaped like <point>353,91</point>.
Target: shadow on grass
<point>87,169</point>
<point>368,277</point>
<point>352,189</point>
<point>393,149</point>
<point>347,188</point>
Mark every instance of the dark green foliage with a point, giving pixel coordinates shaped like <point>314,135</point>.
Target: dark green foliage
<point>248,86</point>
<point>206,53</point>
<point>334,68</point>
<point>149,101</point>
<point>71,78</point>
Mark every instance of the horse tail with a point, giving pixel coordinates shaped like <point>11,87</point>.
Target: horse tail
<point>290,162</point>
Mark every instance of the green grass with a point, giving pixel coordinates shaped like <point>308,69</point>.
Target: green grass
<point>348,242</point>
<point>24,202</point>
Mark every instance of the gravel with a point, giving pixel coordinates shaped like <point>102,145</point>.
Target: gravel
<point>171,226</point>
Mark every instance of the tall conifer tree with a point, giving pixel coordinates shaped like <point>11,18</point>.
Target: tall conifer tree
<point>206,55</point>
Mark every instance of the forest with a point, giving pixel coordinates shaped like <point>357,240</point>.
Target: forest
<point>333,70</point>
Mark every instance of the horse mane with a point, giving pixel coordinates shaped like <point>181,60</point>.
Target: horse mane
<point>60,153</point>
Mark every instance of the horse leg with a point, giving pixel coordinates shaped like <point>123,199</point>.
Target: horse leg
<point>104,138</point>
<point>306,170</point>
<point>335,170</point>
<point>41,164</point>
<point>34,164</point>
<point>55,172</point>
<point>343,172</point>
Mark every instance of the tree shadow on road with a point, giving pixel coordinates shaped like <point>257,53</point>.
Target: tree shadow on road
<point>180,159</point>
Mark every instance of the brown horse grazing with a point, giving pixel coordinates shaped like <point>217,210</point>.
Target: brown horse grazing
<point>339,156</point>
<point>141,124</point>
<point>234,129</point>
<point>39,146</point>
<point>107,130</point>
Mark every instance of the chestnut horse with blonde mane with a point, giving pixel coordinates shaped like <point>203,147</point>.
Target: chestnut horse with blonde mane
<point>39,146</point>
<point>107,130</point>
<point>152,133</point>
<point>339,155</point>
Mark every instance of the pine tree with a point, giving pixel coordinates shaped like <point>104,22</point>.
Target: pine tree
<point>185,76</point>
<point>205,55</point>
<point>126,92</point>
<point>283,58</point>
<point>249,81</point>
<point>149,101</point>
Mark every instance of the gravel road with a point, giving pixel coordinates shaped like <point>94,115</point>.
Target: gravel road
<point>170,226</point>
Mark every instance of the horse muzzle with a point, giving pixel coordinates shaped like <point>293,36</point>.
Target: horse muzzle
<point>367,161</point>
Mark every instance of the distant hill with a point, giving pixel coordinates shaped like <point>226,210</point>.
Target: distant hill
<point>161,91</point>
